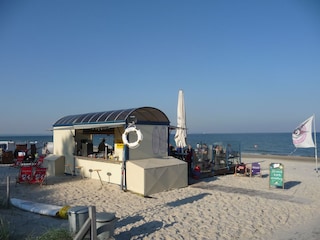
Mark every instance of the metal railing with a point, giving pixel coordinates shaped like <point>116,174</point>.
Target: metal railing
<point>90,224</point>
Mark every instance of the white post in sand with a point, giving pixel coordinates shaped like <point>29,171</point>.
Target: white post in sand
<point>8,191</point>
<point>315,142</point>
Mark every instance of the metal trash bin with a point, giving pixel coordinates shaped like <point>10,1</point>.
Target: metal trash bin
<point>105,225</point>
<point>77,216</point>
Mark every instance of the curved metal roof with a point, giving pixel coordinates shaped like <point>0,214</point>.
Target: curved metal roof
<point>143,115</point>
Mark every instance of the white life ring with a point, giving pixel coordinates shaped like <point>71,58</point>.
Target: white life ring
<point>133,144</point>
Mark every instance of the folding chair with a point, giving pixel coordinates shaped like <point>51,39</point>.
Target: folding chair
<point>25,174</point>
<point>255,169</point>
<point>39,176</point>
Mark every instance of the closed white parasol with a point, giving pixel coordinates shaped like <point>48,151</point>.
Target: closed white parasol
<point>181,131</point>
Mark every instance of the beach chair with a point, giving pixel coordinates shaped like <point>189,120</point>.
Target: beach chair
<point>39,176</point>
<point>254,169</point>
<point>240,169</point>
<point>25,174</point>
<point>39,161</point>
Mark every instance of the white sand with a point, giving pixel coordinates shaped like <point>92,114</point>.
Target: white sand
<point>222,207</point>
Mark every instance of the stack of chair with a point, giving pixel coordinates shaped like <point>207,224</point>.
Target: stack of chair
<point>33,173</point>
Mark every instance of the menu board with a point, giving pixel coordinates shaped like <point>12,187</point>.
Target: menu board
<point>276,175</point>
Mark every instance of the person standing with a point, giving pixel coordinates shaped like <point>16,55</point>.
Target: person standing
<point>189,160</point>
<point>102,147</point>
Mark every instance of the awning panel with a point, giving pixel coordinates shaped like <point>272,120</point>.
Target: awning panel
<point>142,115</point>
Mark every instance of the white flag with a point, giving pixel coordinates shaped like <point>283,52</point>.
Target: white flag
<point>302,135</point>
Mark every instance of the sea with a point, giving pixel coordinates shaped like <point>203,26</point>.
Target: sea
<point>246,143</point>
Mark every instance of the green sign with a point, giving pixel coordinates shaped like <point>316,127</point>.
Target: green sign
<point>276,175</point>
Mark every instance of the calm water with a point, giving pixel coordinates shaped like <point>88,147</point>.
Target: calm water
<point>254,143</point>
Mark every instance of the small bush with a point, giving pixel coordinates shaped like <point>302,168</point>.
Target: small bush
<point>55,234</point>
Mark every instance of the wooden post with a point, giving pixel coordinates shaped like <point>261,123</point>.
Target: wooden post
<point>83,230</point>
<point>90,224</point>
<point>92,216</point>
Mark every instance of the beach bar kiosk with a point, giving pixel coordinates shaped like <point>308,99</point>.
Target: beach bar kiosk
<point>149,168</point>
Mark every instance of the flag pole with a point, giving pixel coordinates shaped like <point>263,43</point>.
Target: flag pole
<point>315,142</point>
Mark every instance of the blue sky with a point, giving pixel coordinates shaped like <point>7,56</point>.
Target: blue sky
<point>244,66</point>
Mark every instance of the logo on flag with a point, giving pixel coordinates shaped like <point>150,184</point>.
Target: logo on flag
<point>302,135</point>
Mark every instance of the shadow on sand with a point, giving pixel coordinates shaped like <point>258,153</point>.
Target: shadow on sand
<point>291,184</point>
<point>146,228</point>
<point>252,192</point>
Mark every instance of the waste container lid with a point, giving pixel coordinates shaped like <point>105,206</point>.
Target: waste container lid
<point>78,209</point>
<point>104,217</point>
